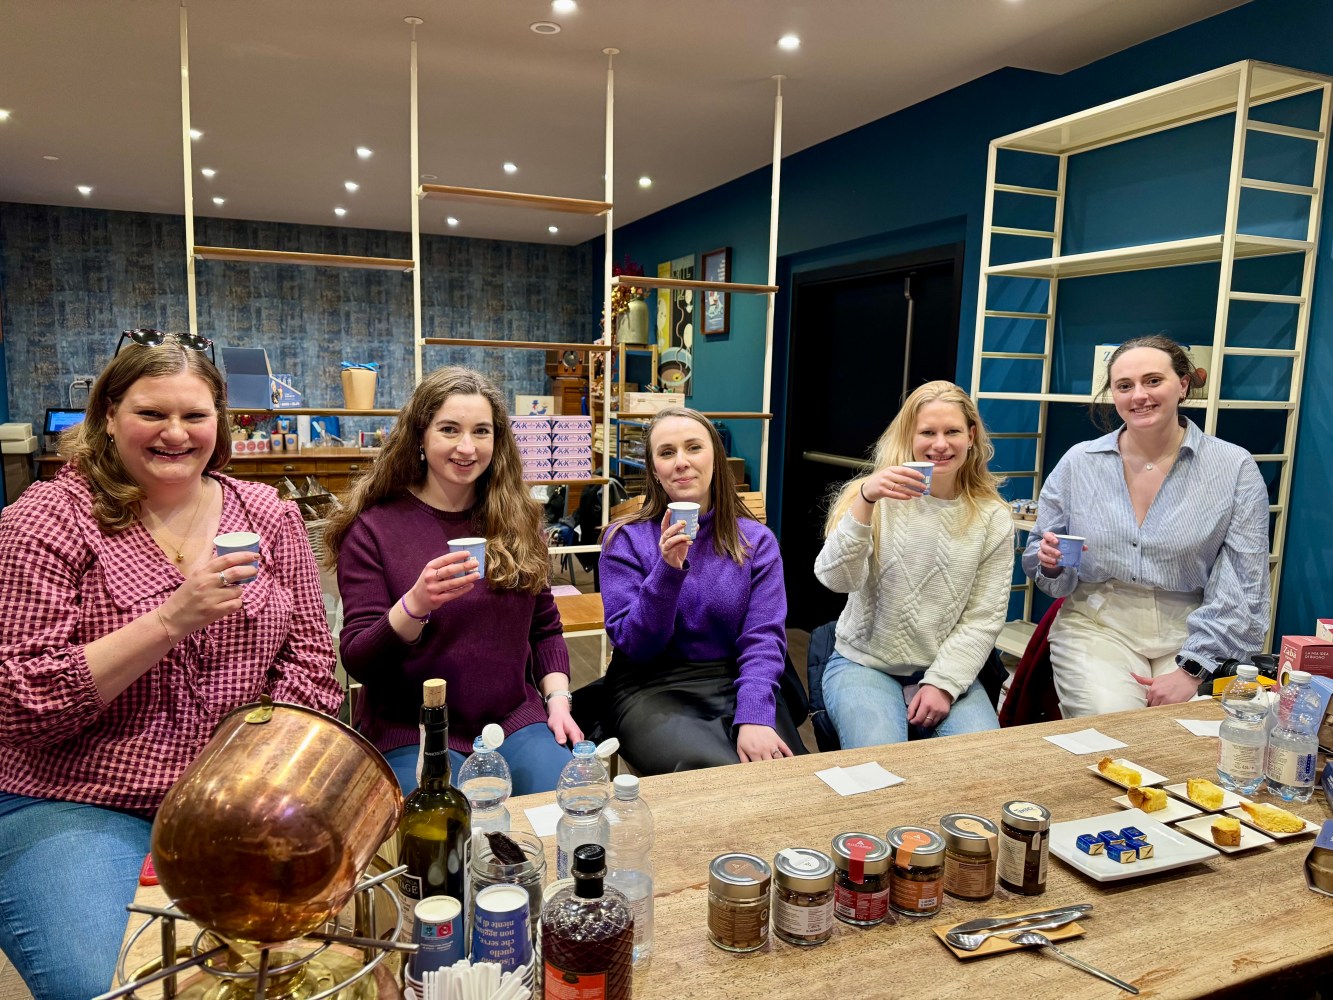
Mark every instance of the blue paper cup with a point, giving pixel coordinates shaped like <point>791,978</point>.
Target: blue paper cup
<point>926,469</point>
<point>474,546</point>
<point>688,512</point>
<point>500,931</point>
<point>1071,549</point>
<point>437,930</point>
<point>237,541</point>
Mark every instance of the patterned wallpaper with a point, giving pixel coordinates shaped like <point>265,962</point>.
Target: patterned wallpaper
<point>71,279</point>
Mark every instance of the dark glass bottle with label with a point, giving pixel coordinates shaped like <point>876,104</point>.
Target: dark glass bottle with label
<point>436,825</point>
<point>587,935</point>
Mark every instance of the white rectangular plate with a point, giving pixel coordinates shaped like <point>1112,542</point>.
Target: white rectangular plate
<point>1244,817</point>
<point>1173,810</point>
<point>1201,827</point>
<point>1230,800</point>
<point>1171,849</point>
<point>1149,777</point>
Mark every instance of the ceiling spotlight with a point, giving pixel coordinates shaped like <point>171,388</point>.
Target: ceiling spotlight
<point>85,190</point>
<point>564,6</point>
<point>645,181</point>
<point>48,156</point>
<point>789,43</point>
<point>4,115</point>
<point>208,171</point>
<point>365,152</point>
<point>511,168</point>
<point>219,201</point>
<point>340,212</point>
<point>430,177</point>
<point>544,27</point>
<point>195,134</point>
<point>351,185</point>
<point>553,229</point>
<point>452,221</point>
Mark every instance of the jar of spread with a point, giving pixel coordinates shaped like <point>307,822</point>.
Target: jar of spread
<point>970,853</point>
<point>1024,847</point>
<point>860,879</point>
<point>803,896</point>
<point>917,874</point>
<point>738,901</point>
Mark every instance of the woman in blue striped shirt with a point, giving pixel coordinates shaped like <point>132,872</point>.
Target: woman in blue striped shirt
<point>1174,574</point>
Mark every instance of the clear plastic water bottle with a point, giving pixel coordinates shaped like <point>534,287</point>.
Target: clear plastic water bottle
<point>629,858</point>
<point>1244,733</point>
<point>484,778</point>
<point>581,793</point>
<point>1293,744</point>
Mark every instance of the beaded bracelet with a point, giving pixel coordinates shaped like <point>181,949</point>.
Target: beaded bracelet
<point>423,619</point>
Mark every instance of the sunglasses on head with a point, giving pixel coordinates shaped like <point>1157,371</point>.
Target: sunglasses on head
<point>148,337</point>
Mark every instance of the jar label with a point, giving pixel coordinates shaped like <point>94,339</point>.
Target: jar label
<point>864,906</point>
<point>969,879</point>
<point>912,839</point>
<point>802,921</point>
<point>914,897</point>
<point>971,826</point>
<point>562,985</point>
<point>1012,852</point>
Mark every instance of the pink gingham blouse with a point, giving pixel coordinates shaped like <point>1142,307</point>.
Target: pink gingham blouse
<point>64,583</point>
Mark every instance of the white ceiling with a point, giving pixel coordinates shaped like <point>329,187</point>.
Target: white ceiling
<point>285,89</point>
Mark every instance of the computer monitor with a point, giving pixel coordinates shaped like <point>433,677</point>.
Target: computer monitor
<point>60,420</point>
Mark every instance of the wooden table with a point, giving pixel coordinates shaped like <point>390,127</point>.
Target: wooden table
<point>1238,925</point>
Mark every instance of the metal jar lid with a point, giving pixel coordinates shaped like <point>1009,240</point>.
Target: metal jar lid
<point>739,876</point>
<point>915,845</point>
<point>803,869</point>
<point>968,833</point>
<point>875,859</point>
<point>1022,815</point>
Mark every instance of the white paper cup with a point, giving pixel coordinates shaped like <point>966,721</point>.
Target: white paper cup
<point>688,512</point>
<point>476,547</point>
<point>237,541</point>
<point>1071,549</point>
<point>437,929</point>
<point>926,469</point>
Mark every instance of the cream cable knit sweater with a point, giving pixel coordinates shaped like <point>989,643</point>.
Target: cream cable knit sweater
<point>934,598</point>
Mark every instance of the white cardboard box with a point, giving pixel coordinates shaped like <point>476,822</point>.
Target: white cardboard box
<point>25,446</point>
<point>15,432</point>
<point>651,402</point>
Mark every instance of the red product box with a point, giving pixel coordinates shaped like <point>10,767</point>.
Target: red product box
<point>1308,653</point>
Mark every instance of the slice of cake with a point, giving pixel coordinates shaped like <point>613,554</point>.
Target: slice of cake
<point>1226,831</point>
<point>1147,798</point>
<point>1118,772</point>
<point>1203,792</point>
<point>1272,818</point>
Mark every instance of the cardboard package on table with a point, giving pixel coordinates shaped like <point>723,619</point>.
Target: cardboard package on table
<point>1305,652</point>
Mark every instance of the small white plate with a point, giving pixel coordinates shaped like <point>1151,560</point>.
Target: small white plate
<point>1230,800</point>
<point>1245,818</point>
<point>1201,827</point>
<point>1171,849</point>
<point>1149,777</point>
<point>1173,810</point>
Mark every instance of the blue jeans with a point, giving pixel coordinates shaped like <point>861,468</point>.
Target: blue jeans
<point>868,707</point>
<point>535,761</point>
<point>67,871</point>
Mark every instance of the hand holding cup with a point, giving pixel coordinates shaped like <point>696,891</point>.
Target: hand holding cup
<point>443,579</point>
<point>897,482</point>
<point>675,542</point>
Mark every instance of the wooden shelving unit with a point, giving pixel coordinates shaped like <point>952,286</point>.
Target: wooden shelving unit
<point>549,203</point>
<point>243,256</point>
<point>639,281</point>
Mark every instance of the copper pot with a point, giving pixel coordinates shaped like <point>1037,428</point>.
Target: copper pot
<point>264,836</point>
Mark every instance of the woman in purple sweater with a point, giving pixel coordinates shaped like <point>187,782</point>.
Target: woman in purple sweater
<point>412,610</point>
<point>698,625</point>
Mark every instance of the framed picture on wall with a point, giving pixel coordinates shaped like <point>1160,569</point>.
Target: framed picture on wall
<point>717,305</point>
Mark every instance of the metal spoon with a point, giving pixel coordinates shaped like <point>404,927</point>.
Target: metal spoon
<point>1032,937</point>
<point>971,942</point>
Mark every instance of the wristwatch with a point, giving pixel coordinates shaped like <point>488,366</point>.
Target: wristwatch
<point>566,694</point>
<point>1194,668</point>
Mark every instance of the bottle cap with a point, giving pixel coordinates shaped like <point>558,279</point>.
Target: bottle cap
<point>627,786</point>
<point>607,748</point>
<point>1247,670</point>
<point>492,735</point>
<point>584,748</point>
<point>590,859</point>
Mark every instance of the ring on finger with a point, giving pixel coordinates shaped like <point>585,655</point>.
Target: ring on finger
<point>223,577</point>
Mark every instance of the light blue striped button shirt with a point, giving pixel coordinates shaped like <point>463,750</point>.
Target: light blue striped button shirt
<point>1206,533</point>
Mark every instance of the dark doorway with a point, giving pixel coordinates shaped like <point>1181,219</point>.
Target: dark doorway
<point>849,340</point>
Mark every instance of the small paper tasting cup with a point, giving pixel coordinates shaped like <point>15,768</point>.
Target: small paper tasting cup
<point>476,547</point>
<point>683,510</point>
<point>926,469</point>
<point>237,541</point>
<point>437,929</point>
<point>1071,549</point>
<point>500,931</point>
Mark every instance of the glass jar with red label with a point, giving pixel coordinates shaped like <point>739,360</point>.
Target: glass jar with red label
<point>861,879</point>
<point>916,877</point>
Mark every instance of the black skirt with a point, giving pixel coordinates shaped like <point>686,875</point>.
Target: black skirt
<point>674,716</point>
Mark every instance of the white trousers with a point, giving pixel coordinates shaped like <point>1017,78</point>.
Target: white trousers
<point>1106,631</point>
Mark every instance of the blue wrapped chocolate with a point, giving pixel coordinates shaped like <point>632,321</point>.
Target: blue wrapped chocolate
<point>1144,848</point>
<point>1090,843</point>
<point>1110,838</point>
<point>1123,854</point>
<point>1132,834</point>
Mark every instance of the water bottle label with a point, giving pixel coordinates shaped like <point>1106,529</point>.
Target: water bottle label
<point>638,908</point>
<point>1287,767</point>
<point>561,862</point>
<point>1237,760</point>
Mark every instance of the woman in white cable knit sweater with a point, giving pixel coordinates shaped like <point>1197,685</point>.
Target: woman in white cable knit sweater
<point>927,575</point>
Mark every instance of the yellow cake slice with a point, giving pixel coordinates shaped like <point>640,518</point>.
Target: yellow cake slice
<point>1226,831</point>
<point>1118,772</point>
<point>1204,792</point>
<point>1272,818</point>
<point>1147,798</point>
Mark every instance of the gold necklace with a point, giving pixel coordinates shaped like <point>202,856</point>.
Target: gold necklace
<point>185,539</point>
<point>1149,466</point>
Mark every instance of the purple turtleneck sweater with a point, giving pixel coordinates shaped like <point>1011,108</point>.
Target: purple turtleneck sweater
<point>492,646</point>
<point>711,609</point>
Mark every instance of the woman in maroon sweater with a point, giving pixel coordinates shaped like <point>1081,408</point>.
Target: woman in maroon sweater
<point>413,610</point>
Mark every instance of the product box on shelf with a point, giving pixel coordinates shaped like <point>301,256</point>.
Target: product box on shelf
<point>578,438</point>
<point>1323,629</point>
<point>583,451</point>
<point>530,440</point>
<point>19,446</point>
<point>1305,652</point>
<point>651,402</point>
<point>1201,355</point>
<point>285,396</point>
<point>538,452</point>
<point>15,432</point>
<point>562,465</point>
<point>572,425</point>
<point>249,378</point>
<point>530,425</point>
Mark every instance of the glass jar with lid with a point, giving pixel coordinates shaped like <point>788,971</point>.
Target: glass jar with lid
<point>1024,847</point>
<point>970,855</point>
<point>803,896</point>
<point>860,879</point>
<point>738,886</point>
<point>917,874</point>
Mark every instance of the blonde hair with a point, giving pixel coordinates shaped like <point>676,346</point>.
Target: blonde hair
<point>722,500</point>
<point>505,513</point>
<point>975,483</point>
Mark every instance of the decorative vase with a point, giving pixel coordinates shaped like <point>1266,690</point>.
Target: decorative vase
<point>632,325</point>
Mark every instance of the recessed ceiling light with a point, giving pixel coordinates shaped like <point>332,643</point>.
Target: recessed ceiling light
<point>430,177</point>
<point>545,27</point>
<point>452,221</point>
<point>553,229</point>
<point>511,168</point>
<point>4,115</point>
<point>351,185</point>
<point>645,181</point>
<point>340,212</point>
<point>219,201</point>
<point>85,190</point>
<point>564,6</point>
<point>48,156</point>
<point>195,134</point>
<point>789,43</point>
<point>208,172</point>
<point>365,152</point>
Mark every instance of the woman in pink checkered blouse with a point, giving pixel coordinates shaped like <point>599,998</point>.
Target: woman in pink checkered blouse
<point>124,641</point>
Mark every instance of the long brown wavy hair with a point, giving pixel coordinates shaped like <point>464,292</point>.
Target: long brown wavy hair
<point>722,499</point>
<point>976,484</point>
<point>1104,413</point>
<point>116,495</point>
<point>505,514</point>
